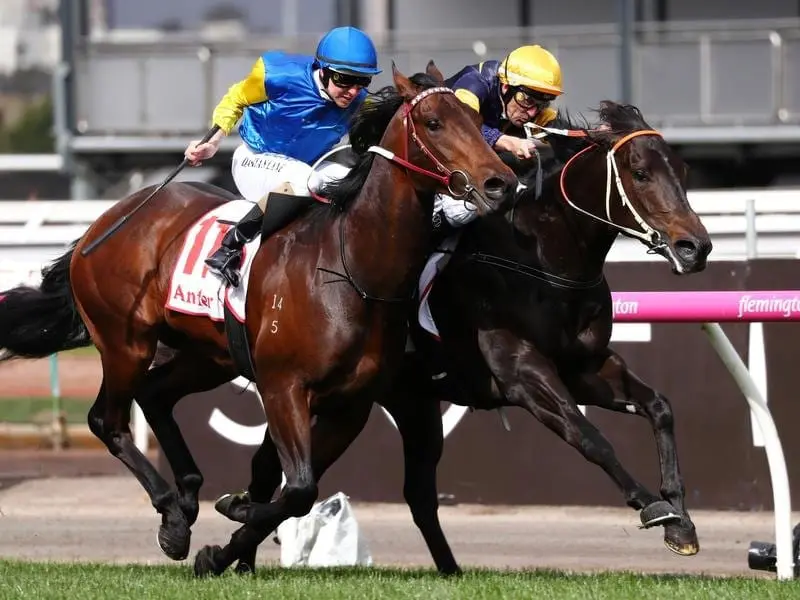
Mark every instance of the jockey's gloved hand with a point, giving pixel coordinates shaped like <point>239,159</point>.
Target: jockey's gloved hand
<point>520,148</point>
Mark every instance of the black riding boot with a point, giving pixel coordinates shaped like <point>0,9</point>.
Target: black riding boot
<point>226,261</point>
<point>435,365</point>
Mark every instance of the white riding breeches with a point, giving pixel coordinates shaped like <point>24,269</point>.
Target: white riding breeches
<point>256,175</point>
<point>456,212</point>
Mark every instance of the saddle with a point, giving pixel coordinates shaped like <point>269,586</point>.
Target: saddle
<point>281,207</point>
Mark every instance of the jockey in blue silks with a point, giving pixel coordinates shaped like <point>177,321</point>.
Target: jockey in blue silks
<point>293,109</point>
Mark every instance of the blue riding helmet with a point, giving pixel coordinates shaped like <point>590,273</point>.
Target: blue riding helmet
<point>348,50</point>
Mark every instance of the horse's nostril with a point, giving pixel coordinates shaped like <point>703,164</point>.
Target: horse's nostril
<point>687,249</point>
<point>496,187</point>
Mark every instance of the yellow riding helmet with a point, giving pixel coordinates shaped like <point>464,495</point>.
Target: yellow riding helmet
<point>532,67</point>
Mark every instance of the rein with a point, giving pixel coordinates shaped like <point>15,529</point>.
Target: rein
<point>534,273</point>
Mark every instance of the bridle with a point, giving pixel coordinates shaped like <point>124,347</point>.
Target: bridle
<point>648,235</point>
<point>444,176</point>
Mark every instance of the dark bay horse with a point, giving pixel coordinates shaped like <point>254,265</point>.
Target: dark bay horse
<point>525,314</point>
<point>337,339</point>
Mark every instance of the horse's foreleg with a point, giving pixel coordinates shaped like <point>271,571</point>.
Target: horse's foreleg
<point>331,434</point>
<point>109,420</point>
<point>160,391</point>
<point>531,381</point>
<point>614,387</point>
<point>420,424</point>
<point>265,477</point>
<point>286,404</point>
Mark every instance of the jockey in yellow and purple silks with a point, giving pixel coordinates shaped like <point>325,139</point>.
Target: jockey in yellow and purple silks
<point>508,94</point>
<point>293,109</point>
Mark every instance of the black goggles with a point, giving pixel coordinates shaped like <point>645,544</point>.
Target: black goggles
<point>528,98</point>
<point>345,81</point>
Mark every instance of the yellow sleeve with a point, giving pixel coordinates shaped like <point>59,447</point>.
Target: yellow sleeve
<point>546,116</point>
<point>469,99</point>
<point>544,119</point>
<point>250,90</point>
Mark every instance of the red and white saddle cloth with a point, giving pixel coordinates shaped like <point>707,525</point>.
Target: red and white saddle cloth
<point>436,262</point>
<point>194,289</point>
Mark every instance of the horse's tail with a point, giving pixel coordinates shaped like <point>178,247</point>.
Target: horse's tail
<point>37,322</point>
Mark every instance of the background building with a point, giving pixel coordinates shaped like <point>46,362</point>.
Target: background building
<point>132,82</point>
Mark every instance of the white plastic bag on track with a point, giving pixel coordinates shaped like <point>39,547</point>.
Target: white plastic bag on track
<point>328,536</point>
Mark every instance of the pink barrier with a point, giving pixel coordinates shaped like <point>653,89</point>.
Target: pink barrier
<point>700,307</point>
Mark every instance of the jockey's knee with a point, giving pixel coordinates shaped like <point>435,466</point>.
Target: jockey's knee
<point>456,212</point>
<point>327,172</point>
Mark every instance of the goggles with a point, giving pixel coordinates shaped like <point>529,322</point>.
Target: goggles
<point>345,81</point>
<point>528,98</point>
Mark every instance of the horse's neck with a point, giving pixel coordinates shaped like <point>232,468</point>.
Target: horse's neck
<point>568,242</point>
<point>387,231</point>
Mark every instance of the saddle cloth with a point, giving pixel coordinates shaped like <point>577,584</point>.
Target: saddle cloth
<point>436,262</point>
<point>194,289</point>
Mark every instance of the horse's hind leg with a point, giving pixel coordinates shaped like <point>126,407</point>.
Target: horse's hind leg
<point>614,387</point>
<point>163,386</point>
<point>420,425</point>
<point>124,368</point>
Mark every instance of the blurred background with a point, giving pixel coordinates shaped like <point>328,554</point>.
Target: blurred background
<point>111,91</point>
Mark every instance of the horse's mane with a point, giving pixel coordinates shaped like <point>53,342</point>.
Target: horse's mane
<point>619,118</point>
<point>366,129</point>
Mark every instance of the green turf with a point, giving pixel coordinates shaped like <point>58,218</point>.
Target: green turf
<point>48,580</point>
<point>23,410</point>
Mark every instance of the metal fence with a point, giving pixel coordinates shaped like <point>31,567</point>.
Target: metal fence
<point>689,74</point>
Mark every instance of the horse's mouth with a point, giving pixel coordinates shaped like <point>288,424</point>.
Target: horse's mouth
<point>496,194</point>
<point>686,256</point>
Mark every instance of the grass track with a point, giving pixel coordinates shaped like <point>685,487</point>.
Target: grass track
<point>20,580</point>
<point>23,410</point>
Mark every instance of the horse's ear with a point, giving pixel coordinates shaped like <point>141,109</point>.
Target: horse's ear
<point>403,84</point>
<point>432,70</point>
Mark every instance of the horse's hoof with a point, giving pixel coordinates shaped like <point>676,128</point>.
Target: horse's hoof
<point>205,563</point>
<point>660,512</point>
<point>174,541</point>
<point>233,506</point>
<point>681,538</point>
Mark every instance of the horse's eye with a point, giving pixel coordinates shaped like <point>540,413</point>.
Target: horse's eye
<point>433,124</point>
<point>641,175</point>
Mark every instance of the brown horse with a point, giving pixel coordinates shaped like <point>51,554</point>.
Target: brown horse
<point>325,347</point>
<point>525,314</point>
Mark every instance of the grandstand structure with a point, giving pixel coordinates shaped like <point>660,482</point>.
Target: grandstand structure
<point>720,78</point>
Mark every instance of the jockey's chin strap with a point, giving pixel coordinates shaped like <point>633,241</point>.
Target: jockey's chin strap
<point>444,176</point>
<point>647,234</point>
